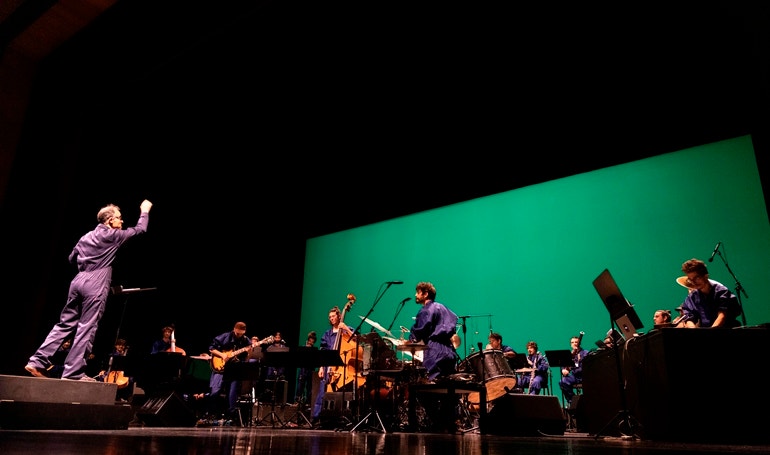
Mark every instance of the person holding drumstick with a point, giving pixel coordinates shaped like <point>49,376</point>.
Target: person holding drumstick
<point>434,325</point>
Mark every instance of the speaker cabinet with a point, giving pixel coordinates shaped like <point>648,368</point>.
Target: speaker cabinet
<point>19,415</point>
<point>166,411</point>
<point>525,415</point>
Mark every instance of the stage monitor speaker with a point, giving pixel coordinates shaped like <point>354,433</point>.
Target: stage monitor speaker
<point>525,415</point>
<point>166,411</point>
<point>19,415</point>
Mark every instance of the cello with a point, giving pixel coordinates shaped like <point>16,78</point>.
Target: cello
<point>345,344</point>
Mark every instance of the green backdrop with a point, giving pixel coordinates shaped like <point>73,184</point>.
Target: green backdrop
<point>522,262</point>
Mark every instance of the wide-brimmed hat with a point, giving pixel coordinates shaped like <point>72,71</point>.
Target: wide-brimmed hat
<point>684,281</point>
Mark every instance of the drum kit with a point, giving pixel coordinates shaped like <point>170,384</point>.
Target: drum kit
<point>489,367</point>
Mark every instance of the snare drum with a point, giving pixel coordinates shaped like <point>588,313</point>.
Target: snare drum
<point>493,367</point>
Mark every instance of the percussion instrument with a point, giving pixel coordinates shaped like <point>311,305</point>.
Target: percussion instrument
<point>493,367</point>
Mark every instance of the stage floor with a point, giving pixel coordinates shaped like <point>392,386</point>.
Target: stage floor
<point>265,440</point>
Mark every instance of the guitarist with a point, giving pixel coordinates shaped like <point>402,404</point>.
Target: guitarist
<point>222,347</point>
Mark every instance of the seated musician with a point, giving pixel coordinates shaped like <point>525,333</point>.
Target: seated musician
<point>226,348</point>
<point>572,375</point>
<point>113,372</point>
<point>167,342</point>
<point>496,343</point>
<point>662,318</point>
<point>538,377</point>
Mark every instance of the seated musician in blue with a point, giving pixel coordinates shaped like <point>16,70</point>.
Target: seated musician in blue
<point>496,343</point>
<point>538,377</point>
<point>573,375</point>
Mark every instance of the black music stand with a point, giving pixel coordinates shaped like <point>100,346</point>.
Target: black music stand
<point>160,372</point>
<point>624,316</point>
<point>300,357</point>
<point>242,371</point>
<point>560,358</point>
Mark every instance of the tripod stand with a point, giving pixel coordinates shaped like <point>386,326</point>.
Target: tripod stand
<point>299,419</point>
<point>273,416</point>
<point>373,408</point>
<point>301,356</point>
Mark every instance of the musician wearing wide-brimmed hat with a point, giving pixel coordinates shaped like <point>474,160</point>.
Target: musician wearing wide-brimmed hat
<point>710,303</point>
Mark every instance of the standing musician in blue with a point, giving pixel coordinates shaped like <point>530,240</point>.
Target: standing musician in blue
<point>573,375</point>
<point>329,341</point>
<point>87,296</point>
<point>434,325</point>
<point>539,366</point>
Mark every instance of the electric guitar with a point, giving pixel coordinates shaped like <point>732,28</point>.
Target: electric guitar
<point>218,363</point>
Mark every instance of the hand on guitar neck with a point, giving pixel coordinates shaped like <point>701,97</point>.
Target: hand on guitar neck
<point>219,359</point>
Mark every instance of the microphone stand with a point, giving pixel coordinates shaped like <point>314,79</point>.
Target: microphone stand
<point>356,333</point>
<point>401,307</point>
<point>465,346</point>
<point>738,287</point>
<point>465,329</point>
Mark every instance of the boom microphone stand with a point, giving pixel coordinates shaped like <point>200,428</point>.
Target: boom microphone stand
<point>738,287</point>
<point>373,410</point>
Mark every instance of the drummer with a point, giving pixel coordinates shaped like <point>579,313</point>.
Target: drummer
<point>496,343</point>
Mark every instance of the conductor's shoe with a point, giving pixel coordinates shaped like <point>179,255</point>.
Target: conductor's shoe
<point>34,371</point>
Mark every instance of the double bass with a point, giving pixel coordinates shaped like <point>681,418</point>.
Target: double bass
<point>351,355</point>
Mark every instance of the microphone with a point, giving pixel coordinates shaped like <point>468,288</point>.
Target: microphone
<point>394,282</point>
<point>713,253</point>
<point>481,350</point>
<point>406,300</point>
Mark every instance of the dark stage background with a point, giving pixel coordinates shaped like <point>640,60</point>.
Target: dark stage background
<point>253,126</point>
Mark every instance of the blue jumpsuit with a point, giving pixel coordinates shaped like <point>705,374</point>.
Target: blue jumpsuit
<point>93,254</point>
<point>434,325</point>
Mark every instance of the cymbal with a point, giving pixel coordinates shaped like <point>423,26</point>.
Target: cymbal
<point>395,341</point>
<point>524,370</point>
<point>412,347</point>
<point>376,325</point>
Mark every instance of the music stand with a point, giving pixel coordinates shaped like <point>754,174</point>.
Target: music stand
<point>624,316</point>
<point>300,357</point>
<point>160,372</point>
<point>241,371</point>
<point>560,358</point>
